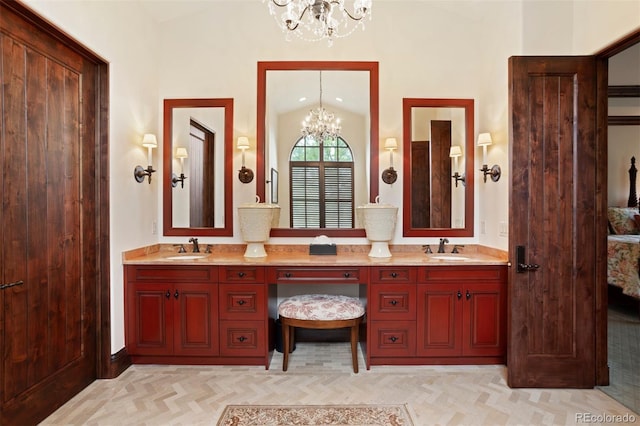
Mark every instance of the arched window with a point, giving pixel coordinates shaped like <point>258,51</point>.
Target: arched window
<point>321,182</point>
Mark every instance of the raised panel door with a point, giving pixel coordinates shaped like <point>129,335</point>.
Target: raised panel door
<point>439,319</point>
<point>195,319</point>
<point>484,324</point>
<point>149,328</point>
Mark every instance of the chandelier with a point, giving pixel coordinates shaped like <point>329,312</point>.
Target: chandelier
<point>320,123</point>
<point>316,20</point>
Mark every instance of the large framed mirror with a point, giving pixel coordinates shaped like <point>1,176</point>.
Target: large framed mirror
<point>197,162</point>
<point>287,91</point>
<point>438,167</point>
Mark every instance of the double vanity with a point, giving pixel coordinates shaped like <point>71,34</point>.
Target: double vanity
<point>220,307</point>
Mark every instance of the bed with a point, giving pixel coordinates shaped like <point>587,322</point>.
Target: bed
<point>623,245</point>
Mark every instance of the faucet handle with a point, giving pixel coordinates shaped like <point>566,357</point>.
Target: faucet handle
<point>427,249</point>
<point>456,247</point>
<point>208,249</point>
<point>181,249</point>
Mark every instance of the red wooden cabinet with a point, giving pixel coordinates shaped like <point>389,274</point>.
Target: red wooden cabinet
<point>462,312</point>
<point>171,311</point>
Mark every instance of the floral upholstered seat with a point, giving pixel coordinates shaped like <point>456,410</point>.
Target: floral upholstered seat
<point>322,307</point>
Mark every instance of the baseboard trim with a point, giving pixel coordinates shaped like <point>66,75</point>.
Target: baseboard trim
<point>119,362</point>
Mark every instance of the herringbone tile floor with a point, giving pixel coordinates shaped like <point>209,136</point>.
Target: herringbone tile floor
<point>320,373</point>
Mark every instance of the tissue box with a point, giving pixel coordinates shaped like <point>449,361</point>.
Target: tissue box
<point>322,249</point>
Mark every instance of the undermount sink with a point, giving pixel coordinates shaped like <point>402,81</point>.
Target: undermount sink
<point>448,257</point>
<point>187,257</point>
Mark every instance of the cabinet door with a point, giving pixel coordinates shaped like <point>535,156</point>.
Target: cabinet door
<point>484,325</point>
<point>149,319</point>
<point>439,320</point>
<point>195,319</point>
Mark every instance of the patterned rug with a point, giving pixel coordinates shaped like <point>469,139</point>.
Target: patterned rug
<point>315,415</point>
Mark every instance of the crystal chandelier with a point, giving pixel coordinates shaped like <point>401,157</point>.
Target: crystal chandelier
<point>316,20</point>
<point>320,123</point>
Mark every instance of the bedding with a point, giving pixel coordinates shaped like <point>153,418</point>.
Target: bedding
<point>623,250</point>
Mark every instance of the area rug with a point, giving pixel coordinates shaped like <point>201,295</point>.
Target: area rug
<point>315,415</point>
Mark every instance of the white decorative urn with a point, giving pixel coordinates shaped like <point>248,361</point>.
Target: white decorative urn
<point>256,220</point>
<point>379,221</point>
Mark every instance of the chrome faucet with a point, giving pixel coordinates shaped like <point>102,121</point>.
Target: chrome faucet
<point>196,248</point>
<point>443,241</point>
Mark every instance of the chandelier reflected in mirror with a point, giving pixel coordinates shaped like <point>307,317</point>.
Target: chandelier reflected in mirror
<point>320,123</point>
<point>315,20</point>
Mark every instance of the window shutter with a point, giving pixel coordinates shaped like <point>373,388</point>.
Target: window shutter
<point>338,194</point>
<point>305,197</point>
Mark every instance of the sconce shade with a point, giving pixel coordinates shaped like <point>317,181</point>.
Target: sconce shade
<point>455,151</point>
<point>391,143</point>
<point>181,152</point>
<point>484,139</point>
<point>243,142</point>
<point>149,140</point>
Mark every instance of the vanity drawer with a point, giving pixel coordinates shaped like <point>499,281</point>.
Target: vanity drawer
<point>318,275</point>
<point>386,274</point>
<point>178,273</point>
<point>393,338</point>
<point>242,338</point>
<point>242,301</point>
<point>462,273</point>
<point>244,274</point>
<point>392,302</point>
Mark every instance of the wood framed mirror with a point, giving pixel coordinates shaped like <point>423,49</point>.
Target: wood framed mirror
<point>197,193</point>
<point>435,204</point>
<point>276,84</point>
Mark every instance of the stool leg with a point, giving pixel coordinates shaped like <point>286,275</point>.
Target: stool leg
<point>285,345</point>
<point>354,347</point>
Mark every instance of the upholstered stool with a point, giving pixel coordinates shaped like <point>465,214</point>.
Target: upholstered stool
<point>320,311</point>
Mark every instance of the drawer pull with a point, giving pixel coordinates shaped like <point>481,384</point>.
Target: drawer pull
<point>347,275</point>
<point>459,295</point>
<point>394,275</point>
<point>288,274</point>
<point>241,302</point>
<point>394,302</point>
<point>242,339</point>
<point>241,274</point>
<point>393,339</point>
<point>168,294</point>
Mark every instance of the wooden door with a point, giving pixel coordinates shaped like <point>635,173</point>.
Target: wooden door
<point>440,196</point>
<point>553,200</point>
<point>52,222</point>
<point>420,193</point>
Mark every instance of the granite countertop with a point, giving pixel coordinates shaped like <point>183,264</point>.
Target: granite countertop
<point>298,255</point>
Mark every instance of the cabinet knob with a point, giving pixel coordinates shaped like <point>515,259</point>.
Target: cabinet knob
<point>393,339</point>
<point>287,274</point>
<point>394,302</point>
<point>347,275</point>
<point>459,295</point>
<point>394,274</point>
<point>241,274</point>
<point>167,294</point>
<point>242,339</point>
<point>176,294</point>
<point>468,295</point>
<point>241,302</point>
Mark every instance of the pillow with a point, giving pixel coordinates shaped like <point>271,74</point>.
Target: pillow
<point>623,221</point>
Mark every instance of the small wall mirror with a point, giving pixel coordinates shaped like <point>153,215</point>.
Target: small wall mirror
<point>287,91</point>
<point>197,160</point>
<point>438,147</point>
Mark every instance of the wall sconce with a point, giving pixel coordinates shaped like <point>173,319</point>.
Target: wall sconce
<point>181,153</point>
<point>149,141</point>
<point>454,152</point>
<point>244,174</point>
<point>484,140</point>
<point>389,175</point>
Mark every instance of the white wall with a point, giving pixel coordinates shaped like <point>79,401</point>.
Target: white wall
<point>425,49</point>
